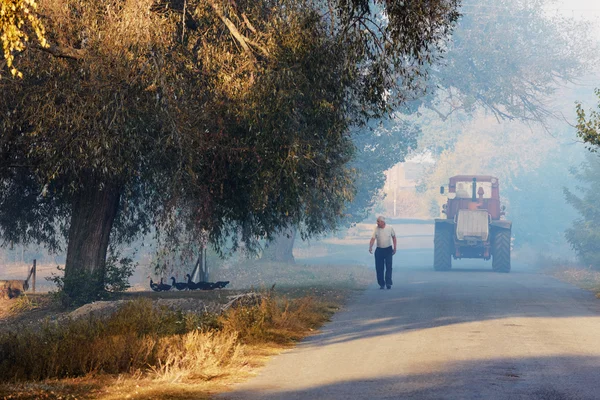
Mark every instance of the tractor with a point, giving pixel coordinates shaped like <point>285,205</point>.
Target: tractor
<point>474,226</point>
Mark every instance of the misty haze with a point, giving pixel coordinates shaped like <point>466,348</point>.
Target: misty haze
<point>300,199</point>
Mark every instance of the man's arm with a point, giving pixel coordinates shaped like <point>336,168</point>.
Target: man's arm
<point>371,245</point>
<point>394,240</point>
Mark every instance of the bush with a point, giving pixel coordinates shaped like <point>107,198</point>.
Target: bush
<point>116,279</point>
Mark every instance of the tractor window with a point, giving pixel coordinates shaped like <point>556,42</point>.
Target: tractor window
<point>464,190</point>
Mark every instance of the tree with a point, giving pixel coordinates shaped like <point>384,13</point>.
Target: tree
<point>505,62</point>
<point>507,57</point>
<point>202,117</point>
<point>18,18</point>
<point>537,203</point>
<point>280,248</point>
<point>588,126</point>
<point>584,235</point>
<point>486,148</point>
<point>504,58</point>
<point>378,150</point>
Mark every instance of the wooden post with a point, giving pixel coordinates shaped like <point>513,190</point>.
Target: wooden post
<point>202,271</point>
<point>206,265</point>
<point>34,273</point>
<point>196,272</point>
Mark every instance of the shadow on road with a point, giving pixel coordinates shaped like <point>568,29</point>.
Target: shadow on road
<point>534,378</point>
<point>426,299</point>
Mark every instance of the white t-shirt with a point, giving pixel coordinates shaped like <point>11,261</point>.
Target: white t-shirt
<point>384,236</point>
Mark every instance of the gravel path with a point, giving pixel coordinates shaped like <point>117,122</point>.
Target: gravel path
<point>463,334</point>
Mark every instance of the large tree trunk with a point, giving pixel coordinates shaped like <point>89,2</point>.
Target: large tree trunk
<point>280,248</point>
<point>93,212</point>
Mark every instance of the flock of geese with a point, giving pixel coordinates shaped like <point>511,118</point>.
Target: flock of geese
<point>189,285</point>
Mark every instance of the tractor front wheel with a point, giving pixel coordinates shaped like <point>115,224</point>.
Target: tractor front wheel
<point>442,248</point>
<point>501,251</point>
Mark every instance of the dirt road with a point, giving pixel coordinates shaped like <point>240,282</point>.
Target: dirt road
<point>463,334</point>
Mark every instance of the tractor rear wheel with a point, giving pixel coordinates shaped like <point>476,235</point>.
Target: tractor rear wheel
<point>442,248</point>
<point>501,251</point>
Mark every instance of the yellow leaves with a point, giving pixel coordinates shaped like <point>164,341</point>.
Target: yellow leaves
<point>15,17</point>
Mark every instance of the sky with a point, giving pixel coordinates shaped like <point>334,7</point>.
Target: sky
<point>589,9</point>
<point>579,7</point>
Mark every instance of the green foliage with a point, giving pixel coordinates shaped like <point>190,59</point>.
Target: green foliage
<point>118,271</point>
<point>116,279</point>
<point>588,126</point>
<point>82,287</point>
<point>378,149</point>
<point>584,234</point>
<point>25,216</point>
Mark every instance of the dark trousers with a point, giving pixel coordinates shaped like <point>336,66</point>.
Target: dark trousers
<point>383,259</point>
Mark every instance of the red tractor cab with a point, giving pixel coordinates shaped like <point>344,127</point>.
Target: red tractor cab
<point>474,226</point>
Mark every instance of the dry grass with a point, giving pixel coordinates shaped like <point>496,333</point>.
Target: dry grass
<point>198,356</point>
<point>22,304</point>
<point>141,352</point>
<point>584,277</point>
<point>107,388</point>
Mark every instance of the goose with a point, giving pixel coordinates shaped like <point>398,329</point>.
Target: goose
<point>205,285</point>
<point>220,284</point>
<point>190,284</point>
<point>179,285</point>
<point>154,286</point>
<point>163,286</point>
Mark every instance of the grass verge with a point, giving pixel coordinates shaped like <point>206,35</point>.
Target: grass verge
<point>143,351</point>
<point>583,277</point>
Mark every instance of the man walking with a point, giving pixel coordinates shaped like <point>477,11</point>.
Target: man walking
<point>385,236</point>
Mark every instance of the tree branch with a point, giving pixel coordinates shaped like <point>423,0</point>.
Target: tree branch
<point>63,52</point>
<point>248,24</point>
<point>242,40</point>
<point>500,115</point>
<point>231,26</point>
<point>443,116</point>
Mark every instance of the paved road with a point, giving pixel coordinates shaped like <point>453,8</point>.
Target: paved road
<point>463,334</point>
